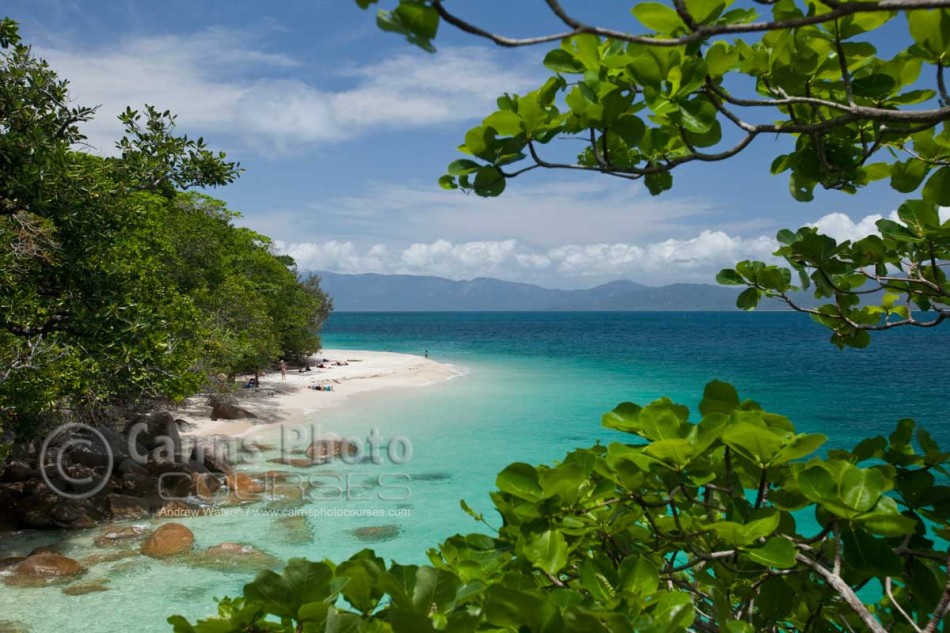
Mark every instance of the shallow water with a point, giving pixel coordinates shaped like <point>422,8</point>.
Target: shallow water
<point>534,386</point>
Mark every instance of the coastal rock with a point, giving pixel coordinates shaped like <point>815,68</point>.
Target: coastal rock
<point>233,557</point>
<point>122,535</point>
<point>168,540</point>
<point>376,533</point>
<point>124,507</point>
<point>48,565</point>
<point>9,513</point>
<point>52,548</point>
<point>11,561</point>
<point>137,485</point>
<point>88,448</point>
<point>212,455</point>
<point>18,470</point>
<point>204,486</point>
<point>242,486</point>
<point>81,589</point>
<point>326,448</point>
<point>160,437</point>
<point>129,466</point>
<point>178,509</point>
<point>293,529</point>
<point>224,409</point>
<point>46,509</point>
<point>184,425</point>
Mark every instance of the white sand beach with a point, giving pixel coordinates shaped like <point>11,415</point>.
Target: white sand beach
<point>279,400</point>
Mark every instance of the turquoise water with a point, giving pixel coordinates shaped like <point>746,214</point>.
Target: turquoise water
<point>534,386</point>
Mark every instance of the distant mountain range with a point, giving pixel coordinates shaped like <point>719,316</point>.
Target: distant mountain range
<point>410,293</point>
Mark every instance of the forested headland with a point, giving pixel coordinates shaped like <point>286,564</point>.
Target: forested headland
<point>122,284</point>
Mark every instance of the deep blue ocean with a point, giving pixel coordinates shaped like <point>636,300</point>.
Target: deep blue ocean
<point>533,386</point>
<point>562,370</point>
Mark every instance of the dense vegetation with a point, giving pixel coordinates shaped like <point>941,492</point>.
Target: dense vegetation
<point>116,286</point>
<point>732,523</point>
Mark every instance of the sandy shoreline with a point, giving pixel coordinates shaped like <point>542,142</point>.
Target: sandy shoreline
<point>290,400</point>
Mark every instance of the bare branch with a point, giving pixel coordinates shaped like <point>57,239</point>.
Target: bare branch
<point>701,33</point>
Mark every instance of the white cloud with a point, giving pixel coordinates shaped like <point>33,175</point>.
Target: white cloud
<point>571,264</point>
<point>219,82</point>
<point>695,259</point>
<point>841,227</point>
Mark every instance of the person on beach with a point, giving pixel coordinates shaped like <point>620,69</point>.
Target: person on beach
<point>427,353</point>
<point>283,369</point>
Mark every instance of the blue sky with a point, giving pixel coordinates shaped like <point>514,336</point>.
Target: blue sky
<point>344,131</point>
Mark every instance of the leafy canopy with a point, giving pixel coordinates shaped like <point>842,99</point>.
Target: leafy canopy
<point>115,286</point>
<point>703,80</point>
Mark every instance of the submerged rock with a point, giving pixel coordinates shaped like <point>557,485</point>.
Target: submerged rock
<point>11,561</point>
<point>432,477</point>
<point>233,557</point>
<point>108,557</point>
<point>242,486</point>
<point>293,529</point>
<point>376,533</point>
<point>296,462</point>
<point>168,540</point>
<point>81,589</point>
<point>323,449</point>
<point>118,536</point>
<point>42,569</point>
<point>13,626</point>
<point>48,564</point>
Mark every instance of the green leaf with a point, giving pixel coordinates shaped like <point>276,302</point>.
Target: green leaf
<point>860,488</point>
<point>505,123</point>
<point>800,446</point>
<point>658,183</point>
<point>521,480</point>
<point>907,176</point>
<point>435,589</point>
<point>562,61</point>
<point>869,555</point>
<point>777,552</point>
<point>937,189</point>
<point>547,551</point>
<point>930,29</point>
<point>754,442</point>
<point>462,166</point>
<point>420,20</point>
<point>748,299</point>
<point>489,182</point>
<point>729,277</point>
<point>638,576</point>
<point>719,397</point>
<point>658,17</point>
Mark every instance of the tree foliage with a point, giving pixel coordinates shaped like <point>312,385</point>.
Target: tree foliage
<point>729,523</point>
<point>106,294</point>
<point>702,81</point>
